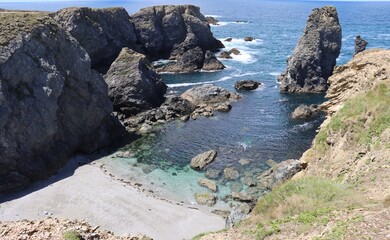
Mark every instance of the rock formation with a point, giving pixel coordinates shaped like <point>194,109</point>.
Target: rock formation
<point>176,32</point>
<point>200,161</point>
<point>246,85</point>
<point>56,105</point>
<point>313,59</point>
<point>279,173</point>
<point>305,111</point>
<point>101,32</point>
<point>133,85</point>
<point>360,44</point>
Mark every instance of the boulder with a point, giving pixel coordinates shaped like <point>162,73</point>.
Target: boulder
<point>228,39</point>
<point>305,111</point>
<point>246,85</point>
<point>230,174</point>
<point>208,184</point>
<point>101,32</point>
<point>212,20</point>
<point>208,94</point>
<point>360,44</point>
<point>248,39</point>
<point>313,59</point>
<point>279,173</point>
<point>202,160</point>
<point>234,51</point>
<point>55,106</point>
<point>206,199</point>
<point>161,29</point>
<point>133,84</point>
<point>225,55</point>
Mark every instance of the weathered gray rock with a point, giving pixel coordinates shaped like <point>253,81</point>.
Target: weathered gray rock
<point>202,160</point>
<point>234,51</point>
<point>279,173</point>
<point>212,20</point>
<point>133,84</point>
<point>229,39</point>
<point>206,199</point>
<point>360,44</point>
<point>208,184</point>
<point>230,174</point>
<point>212,173</point>
<point>246,85</point>
<point>209,94</point>
<point>242,197</point>
<point>248,39</point>
<point>313,59</point>
<point>52,103</point>
<point>211,63</point>
<point>161,29</point>
<point>101,32</point>
<point>305,111</point>
<point>225,55</point>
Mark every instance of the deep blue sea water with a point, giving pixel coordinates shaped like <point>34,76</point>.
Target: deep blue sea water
<point>259,126</point>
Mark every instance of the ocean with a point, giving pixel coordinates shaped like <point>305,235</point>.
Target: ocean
<point>259,126</point>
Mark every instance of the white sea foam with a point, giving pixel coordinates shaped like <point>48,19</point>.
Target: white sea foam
<point>274,73</point>
<point>214,16</point>
<point>236,75</point>
<point>221,23</point>
<point>247,50</point>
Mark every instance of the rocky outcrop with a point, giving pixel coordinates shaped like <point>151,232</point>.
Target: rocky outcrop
<point>206,199</point>
<point>279,173</point>
<point>305,111</point>
<point>101,32</point>
<point>364,72</point>
<point>313,59</point>
<point>246,85</point>
<point>202,160</point>
<point>176,32</point>
<point>133,85</point>
<point>360,44</point>
<point>211,63</point>
<point>212,20</point>
<point>55,106</point>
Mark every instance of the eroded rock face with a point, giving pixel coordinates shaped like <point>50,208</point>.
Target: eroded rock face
<point>279,173</point>
<point>360,44</point>
<point>313,59</point>
<point>305,111</point>
<point>56,105</point>
<point>246,85</point>
<point>209,94</point>
<point>101,32</point>
<point>133,84</point>
<point>176,32</point>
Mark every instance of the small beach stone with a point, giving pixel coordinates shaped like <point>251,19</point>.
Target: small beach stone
<point>204,182</point>
<point>206,199</point>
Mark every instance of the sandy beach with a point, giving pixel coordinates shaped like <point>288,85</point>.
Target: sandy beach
<point>86,192</point>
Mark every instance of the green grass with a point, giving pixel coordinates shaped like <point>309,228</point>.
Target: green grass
<point>72,235</point>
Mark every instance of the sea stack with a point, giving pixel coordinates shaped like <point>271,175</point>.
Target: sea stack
<point>360,44</point>
<point>313,59</point>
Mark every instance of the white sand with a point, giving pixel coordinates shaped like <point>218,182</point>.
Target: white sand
<point>99,199</point>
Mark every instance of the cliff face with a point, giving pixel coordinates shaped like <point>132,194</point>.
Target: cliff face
<point>313,59</point>
<point>101,32</point>
<point>51,102</point>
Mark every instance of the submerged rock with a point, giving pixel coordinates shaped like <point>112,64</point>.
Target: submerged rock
<point>234,51</point>
<point>208,184</point>
<point>248,39</point>
<point>133,84</point>
<point>54,106</point>
<point>206,199</point>
<point>101,32</point>
<point>360,44</point>
<point>246,85</point>
<point>202,160</point>
<point>279,173</point>
<point>313,59</point>
<point>305,111</point>
<point>212,173</point>
<point>230,174</point>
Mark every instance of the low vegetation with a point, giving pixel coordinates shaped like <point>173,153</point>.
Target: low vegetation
<point>72,235</point>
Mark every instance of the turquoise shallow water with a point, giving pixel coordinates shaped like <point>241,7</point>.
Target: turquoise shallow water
<point>259,126</point>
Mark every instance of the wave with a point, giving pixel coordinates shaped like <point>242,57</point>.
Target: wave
<point>173,85</point>
<point>274,74</point>
<point>247,49</point>
<point>214,16</point>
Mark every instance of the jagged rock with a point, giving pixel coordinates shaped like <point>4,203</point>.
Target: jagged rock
<point>228,39</point>
<point>211,63</point>
<point>202,160</point>
<point>235,217</point>
<point>133,84</point>
<point>221,213</point>
<point>225,55</point>
<point>206,199</point>
<point>54,106</point>
<point>178,105</point>
<point>242,197</point>
<point>249,181</point>
<point>101,32</point>
<point>208,184</point>
<point>248,39</point>
<point>209,94</point>
<point>360,44</point>
<point>279,173</point>
<point>230,174</point>
<point>212,20</point>
<point>161,29</point>
<point>246,85</point>
<point>313,59</point>
<point>305,111</point>
<point>234,51</point>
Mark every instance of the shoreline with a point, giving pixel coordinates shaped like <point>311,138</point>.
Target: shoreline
<point>88,193</point>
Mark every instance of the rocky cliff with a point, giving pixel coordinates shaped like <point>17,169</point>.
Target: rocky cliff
<point>179,33</point>
<point>313,59</point>
<point>52,103</point>
<point>101,32</point>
